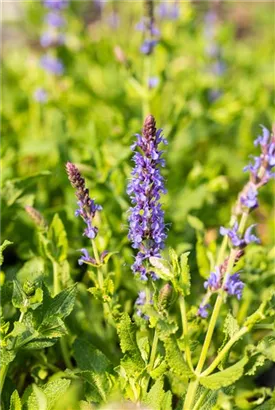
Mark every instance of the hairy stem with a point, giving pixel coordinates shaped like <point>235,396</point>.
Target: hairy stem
<point>185,332</point>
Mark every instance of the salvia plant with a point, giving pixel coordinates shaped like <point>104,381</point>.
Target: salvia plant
<point>164,362</point>
<point>117,292</point>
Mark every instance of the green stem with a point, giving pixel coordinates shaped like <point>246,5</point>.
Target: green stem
<point>193,385</point>
<point>99,272</point>
<point>190,395</point>
<point>185,332</point>
<point>145,98</point>
<point>223,352</point>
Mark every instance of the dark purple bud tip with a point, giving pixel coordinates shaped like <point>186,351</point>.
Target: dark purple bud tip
<point>74,176</point>
<point>149,127</point>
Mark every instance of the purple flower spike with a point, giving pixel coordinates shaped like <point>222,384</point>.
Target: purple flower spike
<point>232,234</point>
<point>56,4</point>
<point>153,82</point>
<point>148,46</point>
<point>52,64</point>
<point>49,38</point>
<point>202,311</point>
<point>250,198</point>
<point>214,280</point>
<point>40,95</point>
<point>168,11</point>
<point>54,19</point>
<point>86,258</point>
<point>147,230</point>
<point>87,207</point>
<point>262,139</point>
<point>249,237</point>
<point>234,286</point>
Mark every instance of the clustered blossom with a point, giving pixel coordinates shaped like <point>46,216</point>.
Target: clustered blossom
<point>51,38</point>
<point>260,173</point>
<point>148,27</point>
<point>147,230</point>
<point>235,238</point>
<point>86,206</point>
<point>213,50</point>
<point>168,11</point>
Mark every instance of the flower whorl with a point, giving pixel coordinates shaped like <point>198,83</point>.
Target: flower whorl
<point>146,219</point>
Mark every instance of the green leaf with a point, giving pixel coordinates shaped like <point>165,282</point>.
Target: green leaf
<point>174,260</point>
<point>89,357</point>
<point>174,358</point>
<point>4,245</point>
<point>195,223</point>
<point>58,243</point>
<point>185,279</point>
<point>54,390</point>
<point>267,347</point>
<point>162,268</point>
<point>37,400</point>
<point>157,398</point>
<point>6,356</point>
<point>127,334</point>
<point>225,377</point>
<point>45,397</point>
<point>19,298</point>
<point>230,327</point>
<point>98,385</point>
<point>33,270</point>
<point>62,304</point>
<point>159,369</point>
<point>265,309</point>
<point>15,402</point>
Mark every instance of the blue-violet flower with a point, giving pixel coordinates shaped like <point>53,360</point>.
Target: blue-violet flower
<point>87,207</point>
<point>147,230</point>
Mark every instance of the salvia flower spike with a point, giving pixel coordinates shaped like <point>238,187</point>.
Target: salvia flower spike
<point>260,174</point>
<point>147,230</point>
<point>87,208</point>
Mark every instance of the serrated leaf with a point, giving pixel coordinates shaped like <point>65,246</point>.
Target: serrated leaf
<point>37,400</point>
<point>4,245</point>
<point>98,385</point>
<point>159,370</point>
<point>225,377</point>
<point>258,361</point>
<point>54,390</point>
<point>15,402</point>
<point>263,309</point>
<point>174,260</point>
<point>32,270</point>
<point>165,328</point>
<point>19,298</point>
<point>127,334</point>
<point>175,360</point>
<point>88,357</point>
<point>62,304</point>
<point>6,357</point>
<point>58,243</point>
<point>185,279</point>
<point>230,327</point>
<point>162,268</point>
<point>267,347</point>
<point>157,398</point>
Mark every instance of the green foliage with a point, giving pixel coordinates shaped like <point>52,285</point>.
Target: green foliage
<point>225,377</point>
<point>73,337</point>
